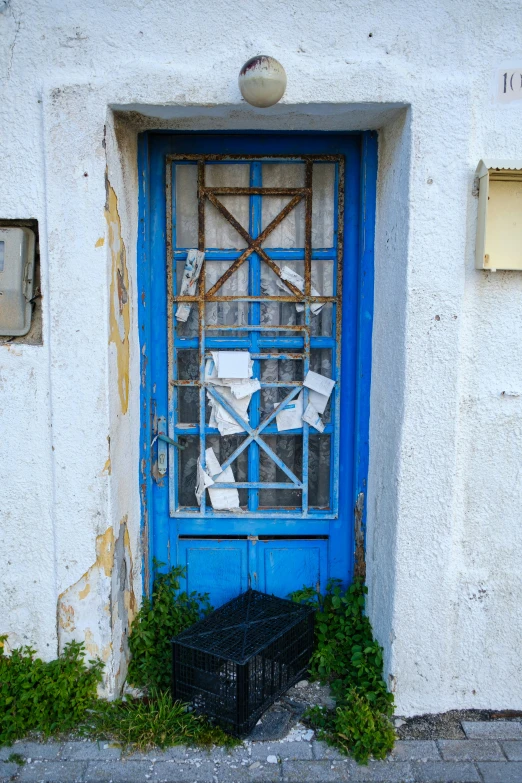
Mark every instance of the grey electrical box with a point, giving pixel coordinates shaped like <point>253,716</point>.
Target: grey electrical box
<point>17,253</point>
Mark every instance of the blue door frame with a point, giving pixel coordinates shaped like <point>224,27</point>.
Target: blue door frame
<point>160,531</point>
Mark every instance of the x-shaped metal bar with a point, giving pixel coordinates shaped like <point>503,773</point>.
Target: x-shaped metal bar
<point>254,245</point>
<point>254,435</point>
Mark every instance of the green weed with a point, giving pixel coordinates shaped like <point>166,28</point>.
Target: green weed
<point>348,658</point>
<point>46,697</point>
<point>154,721</point>
<point>162,616</point>
<point>15,758</point>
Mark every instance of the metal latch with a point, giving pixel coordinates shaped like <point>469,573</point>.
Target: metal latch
<point>163,442</point>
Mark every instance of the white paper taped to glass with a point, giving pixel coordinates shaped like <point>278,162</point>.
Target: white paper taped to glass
<point>189,282</point>
<point>298,281</point>
<point>290,417</point>
<point>311,416</point>
<point>221,499</point>
<point>223,371</point>
<point>320,389</point>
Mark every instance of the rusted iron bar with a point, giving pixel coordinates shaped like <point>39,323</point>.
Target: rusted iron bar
<point>334,158</point>
<point>260,191</point>
<point>254,244</point>
<point>308,229</point>
<point>233,298</point>
<point>254,328</point>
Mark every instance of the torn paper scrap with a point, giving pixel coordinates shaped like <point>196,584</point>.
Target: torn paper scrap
<point>204,481</point>
<point>319,383</point>
<point>319,401</point>
<point>221,418</point>
<point>291,415</point>
<point>189,281</point>
<point>232,364</point>
<point>320,389</point>
<point>221,499</point>
<point>298,281</point>
<point>311,416</point>
<point>211,370</point>
<point>245,388</point>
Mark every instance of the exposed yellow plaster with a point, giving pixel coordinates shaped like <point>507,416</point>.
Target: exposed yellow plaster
<point>85,592</point>
<point>100,242</point>
<point>106,471</point>
<point>99,608</point>
<point>119,304</point>
<point>105,551</point>
<point>129,597</point>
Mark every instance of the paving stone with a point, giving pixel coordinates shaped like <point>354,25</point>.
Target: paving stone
<point>415,750</point>
<point>117,771</point>
<point>274,725</point>
<point>254,772</point>
<point>315,772</point>
<point>470,750</point>
<point>90,751</point>
<point>177,752</point>
<point>380,772</point>
<point>494,729</point>
<point>52,772</point>
<point>501,771</point>
<point>283,750</point>
<point>174,772</point>
<point>444,772</point>
<point>323,751</point>
<point>35,750</point>
<point>513,749</point>
<point>7,770</point>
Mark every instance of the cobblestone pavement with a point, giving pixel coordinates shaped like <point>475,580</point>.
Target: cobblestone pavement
<point>491,753</point>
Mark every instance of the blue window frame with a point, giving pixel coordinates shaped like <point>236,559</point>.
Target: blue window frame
<point>170,520</point>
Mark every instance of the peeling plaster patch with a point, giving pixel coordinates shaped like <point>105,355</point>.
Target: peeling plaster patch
<point>106,471</point>
<point>85,592</point>
<point>100,242</point>
<point>104,590</point>
<point>119,296</point>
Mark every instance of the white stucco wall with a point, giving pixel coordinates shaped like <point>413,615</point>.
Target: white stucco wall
<point>444,542</point>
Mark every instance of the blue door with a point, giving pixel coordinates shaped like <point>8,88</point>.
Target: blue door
<point>256,288</point>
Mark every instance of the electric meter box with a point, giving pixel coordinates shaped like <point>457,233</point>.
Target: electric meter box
<point>17,254</point>
<point>499,229</point>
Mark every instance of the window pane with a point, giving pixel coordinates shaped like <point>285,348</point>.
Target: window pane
<point>188,405</point>
<point>323,204</point>
<point>187,471</point>
<point>319,471</point>
<point>289,448</point>
<point>186,213</point>
<point>223,448</point>
<point>219,233</point>
<point>289,233</point>
<point>188,365</point>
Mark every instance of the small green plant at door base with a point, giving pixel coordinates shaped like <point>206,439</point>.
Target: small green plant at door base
<point>153,721</point>
<point>48,697</point>
<point>162,616</point>
<point>350,660</point>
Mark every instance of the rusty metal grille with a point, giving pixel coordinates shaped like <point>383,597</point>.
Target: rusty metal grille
<point>273,342</point>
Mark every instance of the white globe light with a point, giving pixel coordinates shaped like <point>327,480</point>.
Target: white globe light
<point>262,81</point>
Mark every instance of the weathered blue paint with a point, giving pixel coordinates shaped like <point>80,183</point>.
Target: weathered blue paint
<point>167,527</point>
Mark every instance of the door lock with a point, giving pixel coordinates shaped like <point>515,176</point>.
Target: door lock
<point>163,442</point>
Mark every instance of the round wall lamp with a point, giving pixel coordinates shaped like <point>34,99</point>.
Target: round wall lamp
<point>262,81</point>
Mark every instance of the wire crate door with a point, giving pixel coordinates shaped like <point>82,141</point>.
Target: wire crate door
<point>272,225</point>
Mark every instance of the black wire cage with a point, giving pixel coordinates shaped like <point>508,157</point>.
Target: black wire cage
<point>233,664</point>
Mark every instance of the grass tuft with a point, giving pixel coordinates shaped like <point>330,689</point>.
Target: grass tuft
<point>154,721</point>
